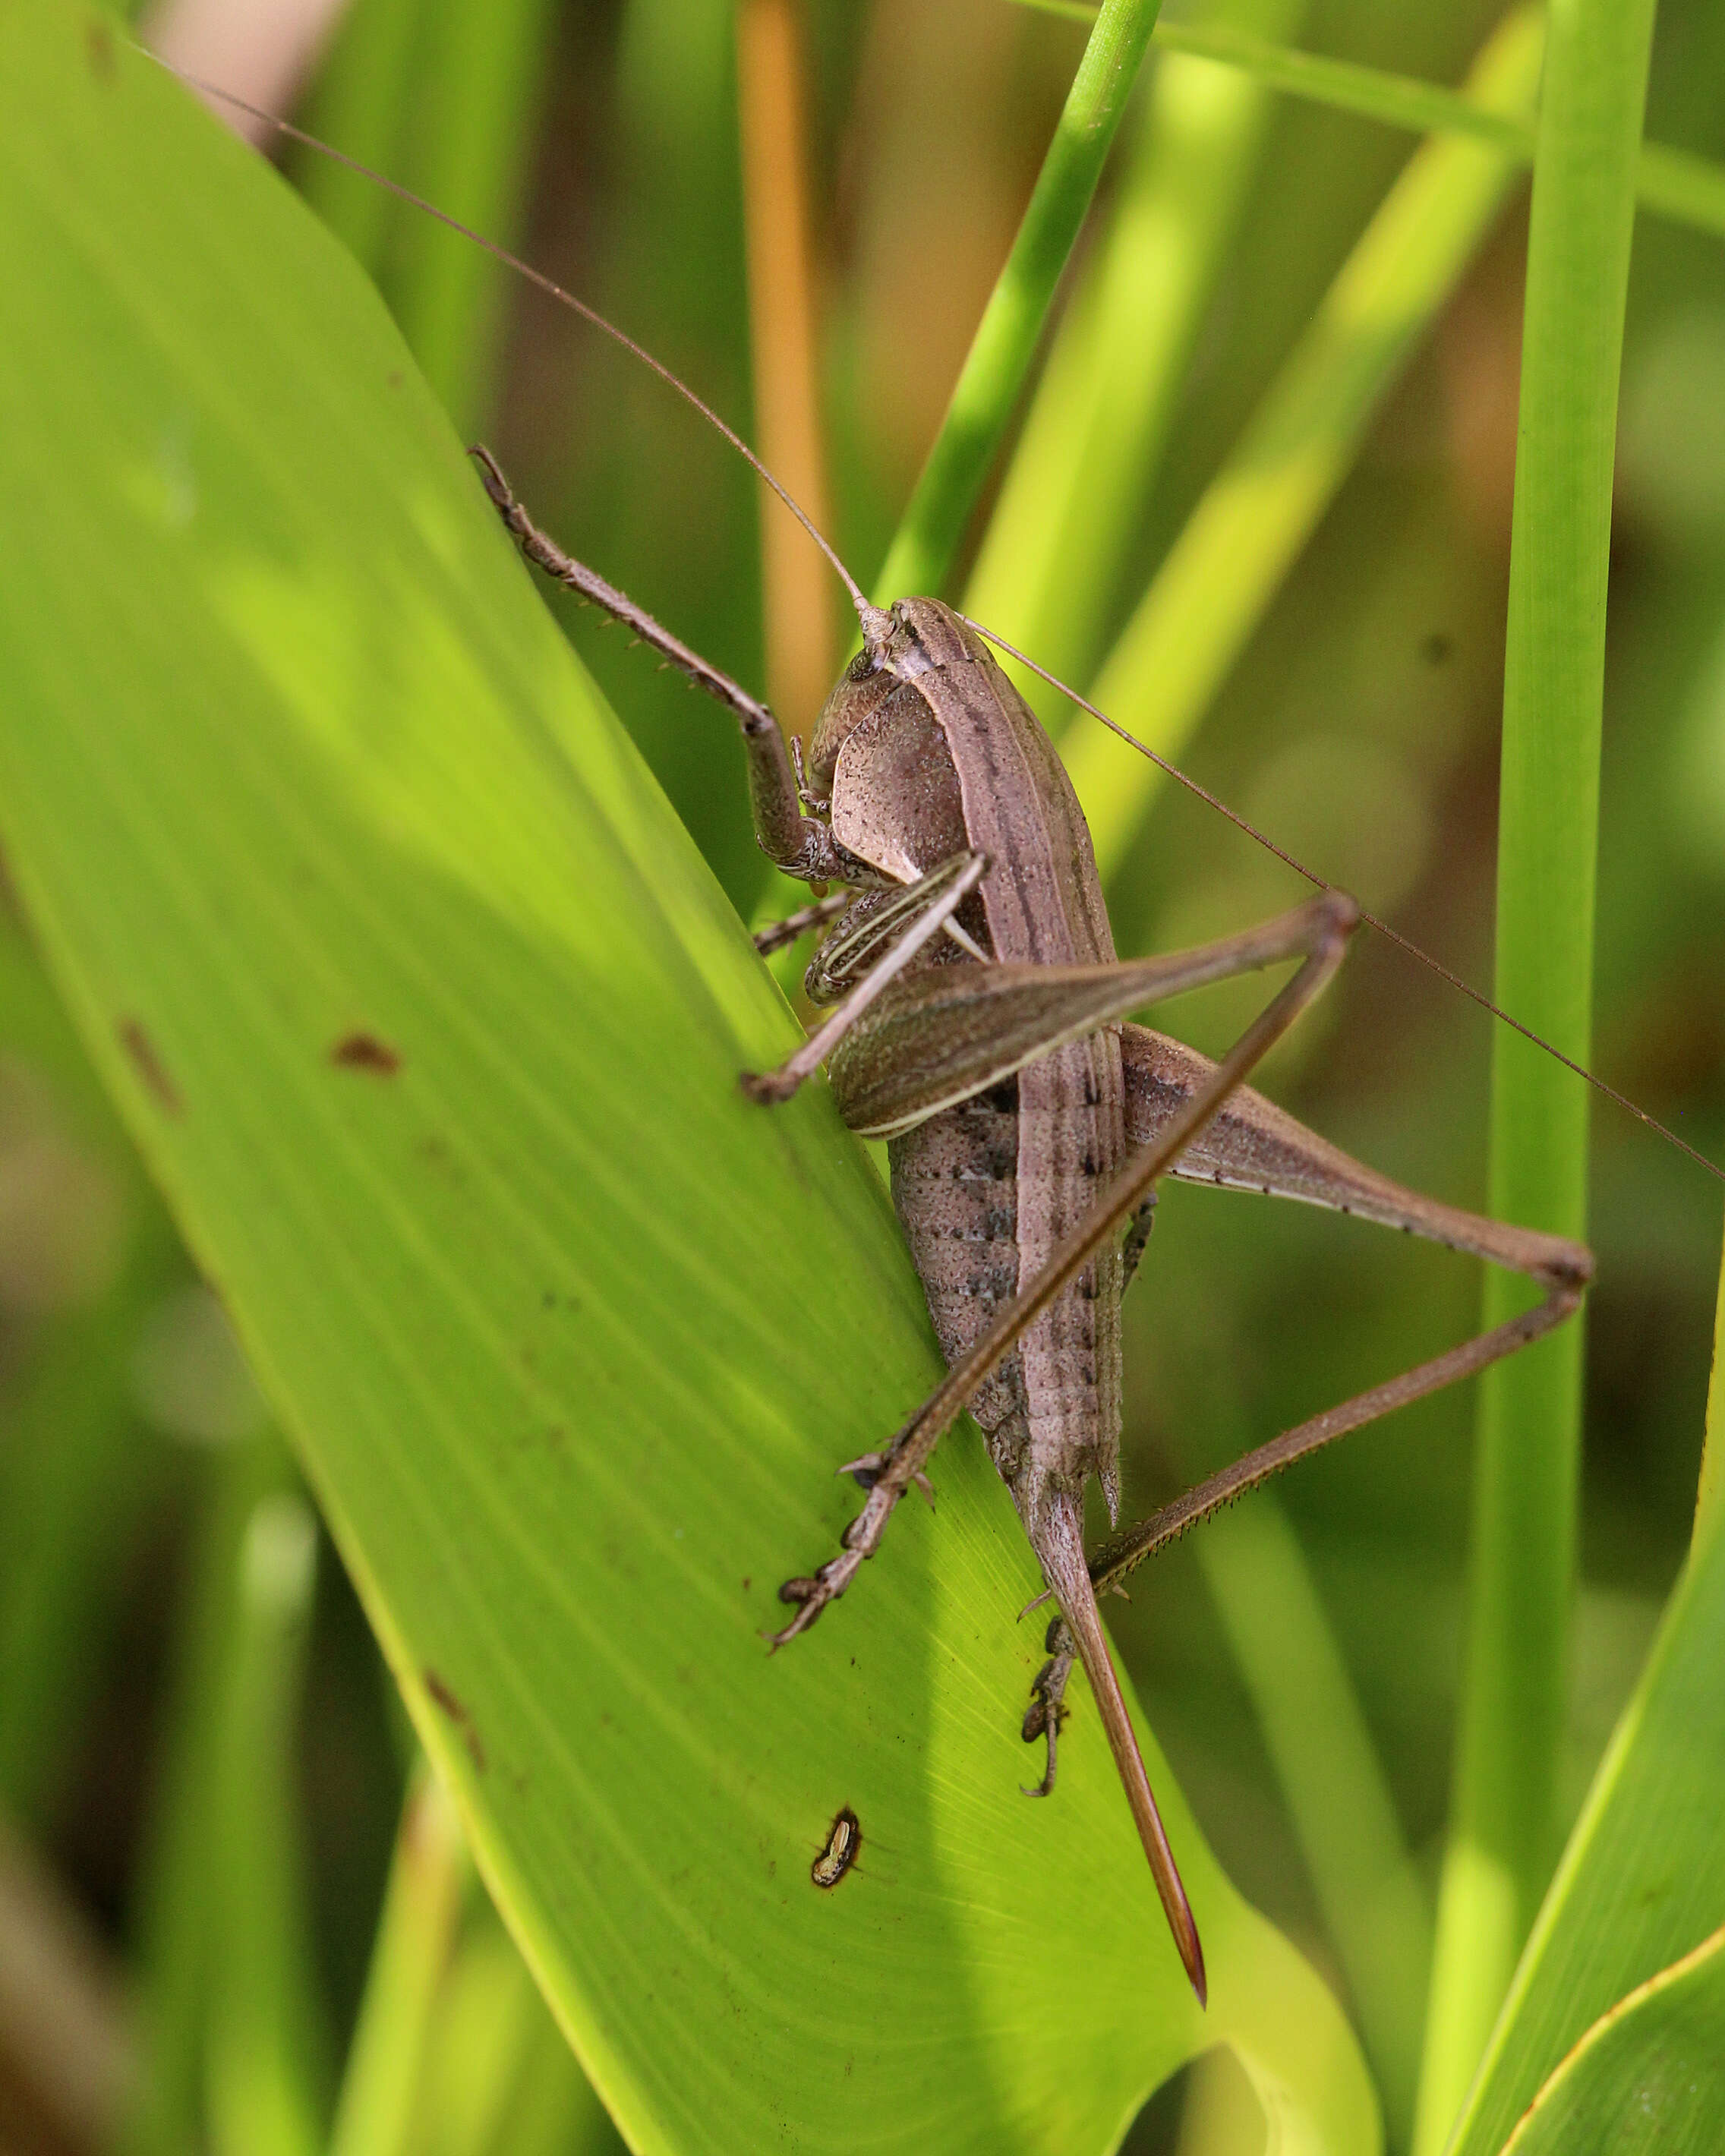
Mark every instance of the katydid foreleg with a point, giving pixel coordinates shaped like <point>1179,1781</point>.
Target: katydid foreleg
<point>802,845</point>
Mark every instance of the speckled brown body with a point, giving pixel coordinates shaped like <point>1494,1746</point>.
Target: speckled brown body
<point>987,1189</point>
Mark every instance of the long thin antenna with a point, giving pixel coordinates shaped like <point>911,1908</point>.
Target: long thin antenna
<point>876,624</point>
<point>1371,920</point>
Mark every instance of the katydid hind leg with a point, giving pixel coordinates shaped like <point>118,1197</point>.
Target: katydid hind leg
<point>1319,932</point>
<point>1252,1145</point>
<point>950,1033</point>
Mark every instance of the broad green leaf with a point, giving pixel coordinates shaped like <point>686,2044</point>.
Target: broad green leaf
<point>427,1018</point>
<point>1648,2076</point>
<point>1642,1882</point>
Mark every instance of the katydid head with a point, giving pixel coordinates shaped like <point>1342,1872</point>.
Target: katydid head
<point>880,756</point>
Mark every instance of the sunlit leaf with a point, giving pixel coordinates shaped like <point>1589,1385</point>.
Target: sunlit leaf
<point>427,1018</point>
<point>1647,2076</point>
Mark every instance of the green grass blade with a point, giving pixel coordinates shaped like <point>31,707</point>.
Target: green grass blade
<point>442,100</point>
<point>1645,2080</point>
<point>1642,1882</point>
<point>1711,1494</point>
<point>488,2024</point>
<point>1502,1823</point>
<point>472,101</point>
<point>1396,101</point>
<point>1677,184</point>
<point>1268,1602</point>
<point>1093,439</point>
<point>499,2078</point>
<point>175,1935</point>
<point>262,2061</point>
<point>427,1018</point>
<point>415,1930</point>
<point>361,106</point>
<point>1258,513</point>
<point>1672,183</point>
<point>995,368</point>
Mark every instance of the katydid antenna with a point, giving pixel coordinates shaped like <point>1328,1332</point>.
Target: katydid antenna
<point>876,624</point>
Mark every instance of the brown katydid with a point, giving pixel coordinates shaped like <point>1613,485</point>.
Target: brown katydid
<point>979,1030</point>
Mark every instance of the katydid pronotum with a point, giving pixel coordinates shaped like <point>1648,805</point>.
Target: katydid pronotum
<point>980,1028</point>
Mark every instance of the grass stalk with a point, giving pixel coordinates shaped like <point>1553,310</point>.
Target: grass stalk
<point>485,2048</point>
<point>1678,185</point>
<point>421,1904</point>
<point>1332,1781</point>
<point>1672,183</point>
<point>173,1922</point>
<point>995,368</point>
<point>471,99</point>
<point>440,98</point>
<point>1504,1825</point>
<point>1709,1496</point>
<point>357,103</point>
<point>262,2047</point>
<point>1093,439</point>
<point>1221,574</point>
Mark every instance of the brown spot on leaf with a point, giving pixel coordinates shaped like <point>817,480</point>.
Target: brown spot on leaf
<point>452,1707</point>
<point>444,1697</point>
<point>149,1065</point>
<point>364,1051</point>
<point>99,50</point>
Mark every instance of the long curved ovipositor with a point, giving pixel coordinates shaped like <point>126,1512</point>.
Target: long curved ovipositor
<point>1060,1547</point>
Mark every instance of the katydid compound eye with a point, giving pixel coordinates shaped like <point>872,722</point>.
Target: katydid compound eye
<point>836,1859</point>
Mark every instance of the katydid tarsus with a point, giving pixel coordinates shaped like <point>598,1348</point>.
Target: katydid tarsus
<point>980,1027</point>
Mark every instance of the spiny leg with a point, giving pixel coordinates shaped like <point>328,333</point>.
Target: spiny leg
<point>803,846</point>
<point>927,906</point>
<point>784,932</point>
<point>1319,931</point>
<point>1252,1145</point>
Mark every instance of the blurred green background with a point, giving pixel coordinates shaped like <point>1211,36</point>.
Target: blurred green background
<point>1359,728</point>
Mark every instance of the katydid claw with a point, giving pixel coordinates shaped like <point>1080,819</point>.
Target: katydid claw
<point>868,1467</point>
<point>1043,1718</point>
<point>769,1087</point>
<point>812,1595</point>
